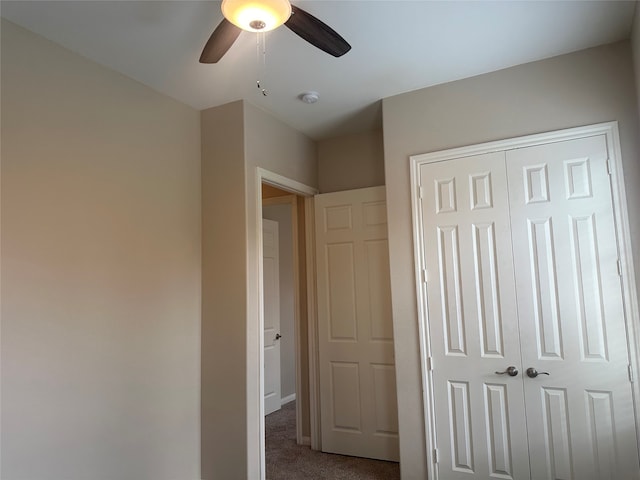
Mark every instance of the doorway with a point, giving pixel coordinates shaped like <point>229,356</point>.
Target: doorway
<point>293,200</point>
<point>281,207</point>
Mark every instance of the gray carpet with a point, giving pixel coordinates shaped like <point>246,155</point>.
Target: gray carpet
<point>288,461</point>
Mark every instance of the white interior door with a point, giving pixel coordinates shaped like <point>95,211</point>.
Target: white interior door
<point>480,416</point>
<point>271,302</point>
<point>580,416</point>
<point>355,333</point>
<point>521,258</point>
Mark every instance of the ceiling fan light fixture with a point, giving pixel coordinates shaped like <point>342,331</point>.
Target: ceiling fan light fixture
<point>256,15</point>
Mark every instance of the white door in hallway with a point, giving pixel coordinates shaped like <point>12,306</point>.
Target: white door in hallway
<point>355,333</point>
<point>521,255</point>
<point>271,305</point>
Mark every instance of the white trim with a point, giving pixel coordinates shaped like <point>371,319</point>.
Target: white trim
<point>425,349</point>
<point>261,431</point>
<point>625,253</point>
<point>284,183</point>
<point>518,142</point>
<point>288,399</point>
<point>619,199</point>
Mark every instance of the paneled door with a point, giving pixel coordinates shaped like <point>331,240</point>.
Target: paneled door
<point>358,405</point>
<point>271,305</point>
<point>570,307</point>
<point>522,277</point>
<point>480,417</point>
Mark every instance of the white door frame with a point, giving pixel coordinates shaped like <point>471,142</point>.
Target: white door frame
<point>289,185</point>
<point>619,199</point>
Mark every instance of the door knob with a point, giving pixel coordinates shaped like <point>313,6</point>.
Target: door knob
<point>533,373</point>
<point>278,336</point>
<point>511,371</point>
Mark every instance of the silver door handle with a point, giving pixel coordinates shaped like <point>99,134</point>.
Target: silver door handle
<point>533,373</point>
<point>511,371</point>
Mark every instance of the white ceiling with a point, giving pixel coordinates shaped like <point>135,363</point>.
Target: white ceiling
<point>398,46</point>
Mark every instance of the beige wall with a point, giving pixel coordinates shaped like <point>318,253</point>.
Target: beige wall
<point>282,215</point>
<point>224,309</point>
<point>237,138</point>
<point>351,161</point>
<point>586,87</point>
<point>100,271</point>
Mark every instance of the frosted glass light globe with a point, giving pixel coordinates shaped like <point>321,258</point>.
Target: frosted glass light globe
<point>256,15</point>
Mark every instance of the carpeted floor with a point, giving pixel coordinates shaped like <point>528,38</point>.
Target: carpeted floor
<point>288,461</point>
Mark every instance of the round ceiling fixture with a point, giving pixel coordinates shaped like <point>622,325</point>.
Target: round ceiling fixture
<point>256,15</point>
<point>309,97</point>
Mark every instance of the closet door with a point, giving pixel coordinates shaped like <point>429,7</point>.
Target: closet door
<point>580,416</point>
<point>473,327</point>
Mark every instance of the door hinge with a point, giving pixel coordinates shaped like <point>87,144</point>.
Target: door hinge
<point>424,275</point>
<point>420,192</point>
<point>619,268</point>
<point>435,455</point>
<point>430,364</point>
<point>609,170</point>
<point>630,370</point>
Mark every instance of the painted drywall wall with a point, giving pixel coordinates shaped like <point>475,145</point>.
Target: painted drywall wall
<point>635,47</point>
<point>100,271</point>
<point>351,161</point>
<point>236,139</point>
<point>282,215</point>
<point>582,88</point>
<point>224,309</point>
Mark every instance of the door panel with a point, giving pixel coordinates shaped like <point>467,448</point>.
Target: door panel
<point>581,421</point>
<point>355,334</point>
<point>271,287</point>
<point>473,332</point>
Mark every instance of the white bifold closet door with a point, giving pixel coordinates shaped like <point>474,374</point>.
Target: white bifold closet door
<point>521,265</point>
<point>480,417</point>
<point>580,416</point>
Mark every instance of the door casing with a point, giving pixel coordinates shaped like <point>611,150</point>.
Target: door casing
<point>287,184</point>
<point>628,279</point>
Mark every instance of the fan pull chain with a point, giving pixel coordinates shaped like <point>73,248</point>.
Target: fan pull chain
<point>261,52</point>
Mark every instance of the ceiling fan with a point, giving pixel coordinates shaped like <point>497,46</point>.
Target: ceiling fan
<point>265,15</point>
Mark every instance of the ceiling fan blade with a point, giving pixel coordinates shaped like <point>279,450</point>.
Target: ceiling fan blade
<point>219,42</point>
<point>317,33</point>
